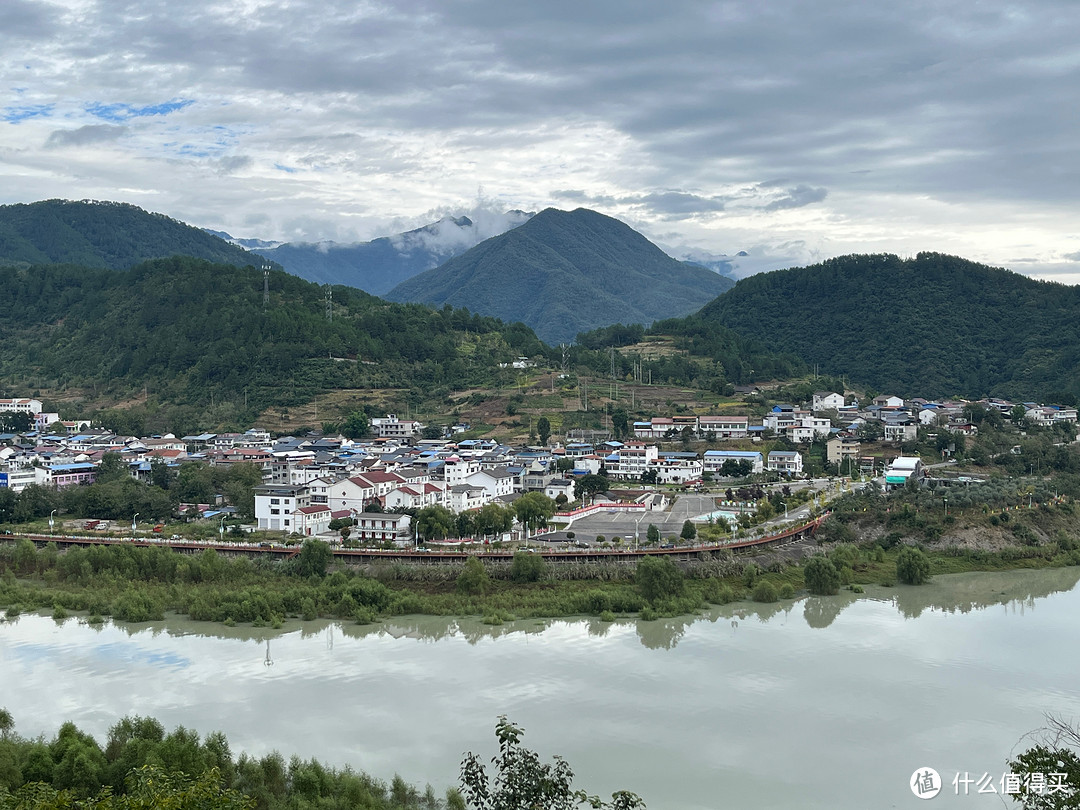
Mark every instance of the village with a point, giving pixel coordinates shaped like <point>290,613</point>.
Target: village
<point>314,485</point>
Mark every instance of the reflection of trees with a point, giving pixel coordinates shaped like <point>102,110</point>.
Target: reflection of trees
<point>966,593</point>
<point>821,611</point>
<point>598,628</point>
<point>663,634</point>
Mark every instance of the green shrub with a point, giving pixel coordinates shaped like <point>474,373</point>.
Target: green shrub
<point>912,566</point>
<point>787,590</point>
<point>607,616</point>
<point>658,578</point>
<point>527,567</point>
<point>821,576</point>
<point>765,591</point>
<point>474,577</point>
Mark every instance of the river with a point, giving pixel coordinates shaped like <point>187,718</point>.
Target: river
<point>816,703</point>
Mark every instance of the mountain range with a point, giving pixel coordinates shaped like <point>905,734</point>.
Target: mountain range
<point>566,272</point>
<point>381,264</point>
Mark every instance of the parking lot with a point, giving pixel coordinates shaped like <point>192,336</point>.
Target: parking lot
<point>623,524</point>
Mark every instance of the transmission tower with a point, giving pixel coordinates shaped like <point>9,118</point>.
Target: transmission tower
<point>266,285</point>
<point>329,303</point>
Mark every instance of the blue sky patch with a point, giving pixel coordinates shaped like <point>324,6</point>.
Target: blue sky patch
<point>17,114</point>
<point>125,112</point>
<point>289,169</point>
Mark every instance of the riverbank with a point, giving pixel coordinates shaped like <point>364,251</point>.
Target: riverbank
<point>142,584</point>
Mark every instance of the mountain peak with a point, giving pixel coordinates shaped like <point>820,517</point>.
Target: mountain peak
<point>565,272</point>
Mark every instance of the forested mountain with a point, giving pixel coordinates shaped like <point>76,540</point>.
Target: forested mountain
<point>381,264</point>
<point>934,325</point>
<point>567,272</point>
<point>103,234</point>
<point>197,332</point>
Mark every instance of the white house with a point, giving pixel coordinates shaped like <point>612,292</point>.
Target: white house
<point>415,496</point>
<point>633,460</point>
<point>463,497</point>
<point>560,486</point>
<point>390,427</point>
<point>788,462</point>
<point>381,527</point>
<point>724,427</point>
<point>826,400</point>
<point>311,520</point>
<point>495,483</point>
<point>677,470</point>
<point>275,505</point>
<point>31,407</point>
<point>714,460</point>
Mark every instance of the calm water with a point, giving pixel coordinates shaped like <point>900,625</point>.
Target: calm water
<point>820,703</point>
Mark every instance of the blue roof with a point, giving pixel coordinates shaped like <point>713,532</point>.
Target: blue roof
<point>732,454</point>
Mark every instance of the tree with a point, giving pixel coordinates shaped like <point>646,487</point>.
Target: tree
<point>112,468</point>
<point>534,510</point>
<point>689,531</point>
<point>161,474</point>
<point>493,519</point>
<point>527,567</point>
<point>821,576</point>
<point>1055,753</point>
<point>194,483</point>
<point>590,485</point>
<point>473,579</point>
<point>314,557</point>
<point>652,534</point>
<point>355,425</point>
<point>435,522</point>
<point>912,566</point>
<point>543,429</point>
<point>620,423</point>
<point>658,578</point>
<point>522,782</point>
<point>15,422</point>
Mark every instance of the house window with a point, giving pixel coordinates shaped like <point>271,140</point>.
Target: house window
<point>275,500</point>
<point>275,511</point>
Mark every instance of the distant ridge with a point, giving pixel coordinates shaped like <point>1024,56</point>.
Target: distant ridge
<point>381,264</point>
<point>111,235</point>
<point>562,273</point>
<point>932,326</point>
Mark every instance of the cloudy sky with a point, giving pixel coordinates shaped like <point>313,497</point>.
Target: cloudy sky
<point>790,130</point>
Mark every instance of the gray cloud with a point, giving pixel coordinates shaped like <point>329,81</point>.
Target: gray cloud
<point>693,116</point>
<point>797,197</point>
<point>85,135</point>
<point>26,19</point>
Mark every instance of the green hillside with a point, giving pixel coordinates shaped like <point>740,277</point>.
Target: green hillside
<point>198,333</point>
<point>104,234</point>
<point>567,272</point>
<point>932,326</point>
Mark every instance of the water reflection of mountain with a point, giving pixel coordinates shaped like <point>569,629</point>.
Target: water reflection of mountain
<point>953,593</point>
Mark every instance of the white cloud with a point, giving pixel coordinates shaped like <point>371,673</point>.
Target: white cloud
<point>840,126</point>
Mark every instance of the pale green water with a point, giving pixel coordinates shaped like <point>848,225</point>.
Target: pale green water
<point>821,703</point>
